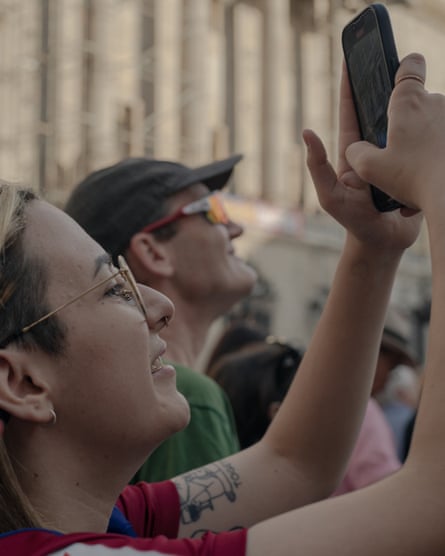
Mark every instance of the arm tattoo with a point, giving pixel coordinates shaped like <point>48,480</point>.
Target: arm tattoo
<point>201,487</point>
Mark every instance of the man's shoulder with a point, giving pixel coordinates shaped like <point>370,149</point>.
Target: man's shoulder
<point>193,383</point>
<point>189,375</point>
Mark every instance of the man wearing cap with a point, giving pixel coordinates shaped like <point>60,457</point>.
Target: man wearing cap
<point>169,222</point>
<point>380,446</point>
<point>397,383</point>
<point>396,347</point>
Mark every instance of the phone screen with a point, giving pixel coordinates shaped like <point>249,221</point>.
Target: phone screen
<point>372,61</point>
<point>366,58</point>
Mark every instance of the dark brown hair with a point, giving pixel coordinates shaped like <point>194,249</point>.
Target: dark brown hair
<point>23,282</point>
<point>253,378</point>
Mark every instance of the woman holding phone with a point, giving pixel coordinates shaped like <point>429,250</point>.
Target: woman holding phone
<point>82,383</point>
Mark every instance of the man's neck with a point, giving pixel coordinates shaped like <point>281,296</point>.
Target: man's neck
<point>185,339</point>
<point>187,333</point>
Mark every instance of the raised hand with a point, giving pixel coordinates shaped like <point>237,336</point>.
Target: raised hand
<point>412,166</point>
<point>347,197</point>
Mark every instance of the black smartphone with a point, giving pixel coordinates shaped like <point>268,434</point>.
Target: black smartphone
<point>371,60</point>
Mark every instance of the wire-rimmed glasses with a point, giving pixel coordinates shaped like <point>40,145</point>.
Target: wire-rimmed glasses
<point>133,291</point>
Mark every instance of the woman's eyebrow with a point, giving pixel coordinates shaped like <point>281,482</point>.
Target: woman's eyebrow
<point>100,261</point>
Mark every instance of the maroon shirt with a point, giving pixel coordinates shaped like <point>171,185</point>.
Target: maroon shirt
<point>153,511</point>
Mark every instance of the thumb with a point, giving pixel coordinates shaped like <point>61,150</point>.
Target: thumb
<point>370,163</point>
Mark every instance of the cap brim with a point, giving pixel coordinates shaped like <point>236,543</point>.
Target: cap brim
<point>401,350</point>
<point>214,175</point>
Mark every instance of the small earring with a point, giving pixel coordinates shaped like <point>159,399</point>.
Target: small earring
<point>53,417</point>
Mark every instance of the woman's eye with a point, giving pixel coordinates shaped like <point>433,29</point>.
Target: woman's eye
<point>120,290</point>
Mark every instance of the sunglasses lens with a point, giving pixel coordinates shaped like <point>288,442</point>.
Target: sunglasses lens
<point>217,213</point>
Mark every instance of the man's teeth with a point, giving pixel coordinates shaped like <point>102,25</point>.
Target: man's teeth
<point>157,365</point>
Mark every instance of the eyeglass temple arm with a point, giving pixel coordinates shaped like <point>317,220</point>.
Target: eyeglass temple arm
<point>191,208</point>
<point>57,309</point>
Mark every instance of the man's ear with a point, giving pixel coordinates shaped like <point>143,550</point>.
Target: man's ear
<point>146,254</point>
<point>24,394</point>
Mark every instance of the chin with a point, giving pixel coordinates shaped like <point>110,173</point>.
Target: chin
<point>176,413</point>
<point>246,283</point>
<point>173,416</point>
<point>249,276</point>
<point>185,412</point>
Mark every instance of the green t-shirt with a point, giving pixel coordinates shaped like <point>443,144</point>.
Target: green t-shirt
<point>210,435</point>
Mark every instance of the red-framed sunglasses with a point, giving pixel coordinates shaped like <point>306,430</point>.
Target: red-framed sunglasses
<point>211,207</point>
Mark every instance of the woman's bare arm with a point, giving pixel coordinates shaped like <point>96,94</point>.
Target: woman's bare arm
<point>304,453</point>
<point>403,514</point>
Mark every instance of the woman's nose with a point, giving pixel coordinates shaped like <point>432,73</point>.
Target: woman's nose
<point>160,309</point>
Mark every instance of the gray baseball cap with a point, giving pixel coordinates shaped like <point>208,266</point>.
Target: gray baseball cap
<point>114,203</point>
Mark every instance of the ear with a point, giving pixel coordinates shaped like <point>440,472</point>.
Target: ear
<point>23,392</point>
<point>146,254</point>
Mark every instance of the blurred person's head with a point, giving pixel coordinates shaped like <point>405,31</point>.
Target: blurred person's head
<point>235,336</point>
<point>403,385</point>
<point>396,347</point>
<point>256,379</point>
<point>170,223</point>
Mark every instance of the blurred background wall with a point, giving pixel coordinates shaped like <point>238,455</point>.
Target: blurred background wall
<point>84,83</point>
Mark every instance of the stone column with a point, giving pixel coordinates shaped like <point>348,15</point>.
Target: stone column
<point>165,122</point>
<point>197,147</point>
<point>276,112</point>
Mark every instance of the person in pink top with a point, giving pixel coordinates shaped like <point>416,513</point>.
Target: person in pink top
<point>374,456</point>
<point>377,452</point>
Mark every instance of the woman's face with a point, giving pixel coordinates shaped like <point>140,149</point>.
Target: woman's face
<point>108,388</point>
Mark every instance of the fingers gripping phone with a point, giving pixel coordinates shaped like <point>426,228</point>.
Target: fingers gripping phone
<point>371,61</point>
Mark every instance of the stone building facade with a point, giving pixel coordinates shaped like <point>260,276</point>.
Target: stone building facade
<point>84,83</point>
